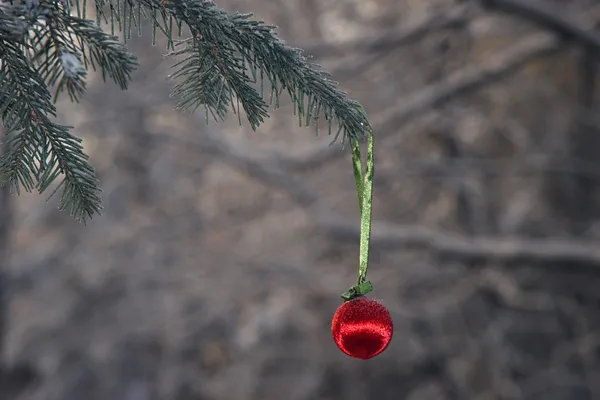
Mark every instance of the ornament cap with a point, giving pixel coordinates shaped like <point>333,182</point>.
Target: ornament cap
<point>358,290</point>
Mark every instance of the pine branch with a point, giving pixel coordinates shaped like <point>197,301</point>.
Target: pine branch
<point>102,51</point>
<point>227,53</point>
<point>44,45</point>
<point>64,41</point>
<point>21,97</point>
<point>40,150</point>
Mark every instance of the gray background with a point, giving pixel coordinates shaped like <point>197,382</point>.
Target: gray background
<point>219,260</point>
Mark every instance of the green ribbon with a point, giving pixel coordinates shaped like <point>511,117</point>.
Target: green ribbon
<point>364,189</point>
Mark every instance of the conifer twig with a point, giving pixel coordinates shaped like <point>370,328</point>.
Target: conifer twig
<point>225,65</point>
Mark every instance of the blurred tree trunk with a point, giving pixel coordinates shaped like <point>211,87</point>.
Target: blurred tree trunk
<point>15,378</point>
<point>584,143</point>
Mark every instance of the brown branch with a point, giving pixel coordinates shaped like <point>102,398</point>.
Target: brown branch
<point>504,249</point>
<point>399,235</point>
<point>240,159</point>
<point>547,17</point>
<point>465,81</point>
<point>501,166</point>
<point>462,82</point>
<point>416,105</point>
<point>454,17</point>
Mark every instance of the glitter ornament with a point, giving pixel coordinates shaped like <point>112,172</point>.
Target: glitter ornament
<point>362,328</point>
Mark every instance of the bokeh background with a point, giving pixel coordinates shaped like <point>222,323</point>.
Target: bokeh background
<point>219,260</point>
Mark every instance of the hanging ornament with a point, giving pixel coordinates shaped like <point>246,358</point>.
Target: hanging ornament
<point>362,327</point>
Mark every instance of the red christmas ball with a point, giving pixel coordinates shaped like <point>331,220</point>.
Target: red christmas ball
<point>362,327</point>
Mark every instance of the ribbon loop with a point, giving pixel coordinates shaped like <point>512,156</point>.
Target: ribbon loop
<point>364,190</point>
